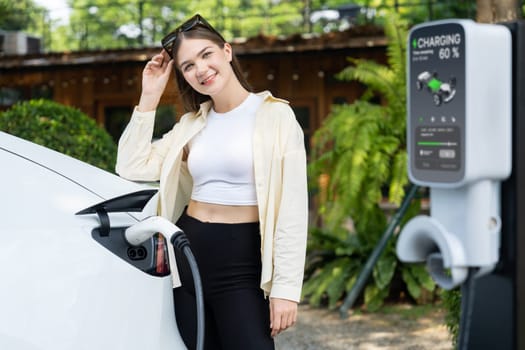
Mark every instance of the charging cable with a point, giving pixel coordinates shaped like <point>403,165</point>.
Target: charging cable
<point>143,230</point>
<point>467,306</point>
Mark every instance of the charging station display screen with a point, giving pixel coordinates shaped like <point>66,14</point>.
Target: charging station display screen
<point>437,102</point>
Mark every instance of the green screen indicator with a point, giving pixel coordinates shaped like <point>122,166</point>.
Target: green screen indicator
<point>434,84</point>
<point>435,143</point>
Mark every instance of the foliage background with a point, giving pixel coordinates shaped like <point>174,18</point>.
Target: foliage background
<point>103,24</point>
<point>360,151</point>
<point>62,128</point>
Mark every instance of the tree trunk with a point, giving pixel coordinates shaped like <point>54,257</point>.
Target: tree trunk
<point>493,11</point>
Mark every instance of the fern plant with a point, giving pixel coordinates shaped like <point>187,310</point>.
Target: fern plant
<point>359,153</point>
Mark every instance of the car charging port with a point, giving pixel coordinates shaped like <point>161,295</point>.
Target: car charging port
<point>137,253</point>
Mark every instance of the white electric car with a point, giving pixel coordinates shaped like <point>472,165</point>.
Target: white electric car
<point>68,278</point>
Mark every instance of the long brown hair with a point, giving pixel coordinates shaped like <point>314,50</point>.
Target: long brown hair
<point>192,99</point>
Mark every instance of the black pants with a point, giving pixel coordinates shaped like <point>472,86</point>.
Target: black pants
<point>229,260</point>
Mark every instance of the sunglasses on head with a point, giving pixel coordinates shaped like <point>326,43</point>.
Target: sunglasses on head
<point>169,40</point>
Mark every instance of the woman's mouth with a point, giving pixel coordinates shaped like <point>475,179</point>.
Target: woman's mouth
<point>208,80</point>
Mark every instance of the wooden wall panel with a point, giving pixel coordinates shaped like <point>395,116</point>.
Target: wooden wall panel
<point>95,83</point>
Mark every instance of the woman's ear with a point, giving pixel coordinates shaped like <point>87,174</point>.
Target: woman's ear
<point>228,51</point>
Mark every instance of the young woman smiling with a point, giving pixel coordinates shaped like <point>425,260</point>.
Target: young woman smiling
<point>232,175</point>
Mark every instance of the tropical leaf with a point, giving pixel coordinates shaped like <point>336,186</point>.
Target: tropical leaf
<point>414,289</point>
<point>316,287</point>
<point>374,297</point>
<point>384,270</point>
<point>422,276</point>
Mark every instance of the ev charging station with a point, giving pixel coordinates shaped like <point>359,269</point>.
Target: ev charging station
<point>465,141</point>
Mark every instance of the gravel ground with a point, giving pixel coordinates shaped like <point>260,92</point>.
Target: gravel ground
<point>401,328</point>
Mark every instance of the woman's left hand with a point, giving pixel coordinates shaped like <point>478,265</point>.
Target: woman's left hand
<point>283,314</point>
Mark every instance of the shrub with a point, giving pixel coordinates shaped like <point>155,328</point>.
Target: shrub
<point>62,128</point>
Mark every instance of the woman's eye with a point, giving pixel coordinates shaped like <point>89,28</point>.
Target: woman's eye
<point>206,54</point>
<point>187,67</point>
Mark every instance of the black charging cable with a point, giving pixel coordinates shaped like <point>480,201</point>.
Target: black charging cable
<point>467,306</point>
<point>180,241</point>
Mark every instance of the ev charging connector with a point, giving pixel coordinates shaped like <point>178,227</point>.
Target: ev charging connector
<point>145,229</point>
<point>459,145</point>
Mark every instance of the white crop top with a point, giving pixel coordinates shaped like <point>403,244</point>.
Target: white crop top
<point>220,158</point>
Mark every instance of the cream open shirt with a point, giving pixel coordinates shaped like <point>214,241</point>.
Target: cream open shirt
<point>280,176</point>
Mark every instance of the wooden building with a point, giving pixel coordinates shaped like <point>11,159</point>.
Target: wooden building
<point>106,84</point>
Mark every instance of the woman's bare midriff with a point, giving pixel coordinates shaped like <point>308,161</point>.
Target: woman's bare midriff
<point>218,213</point>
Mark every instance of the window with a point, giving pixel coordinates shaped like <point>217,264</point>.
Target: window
<point>302,113</point>
<point>10,96</point>
<point>117,117</point>
<point>42,91</point>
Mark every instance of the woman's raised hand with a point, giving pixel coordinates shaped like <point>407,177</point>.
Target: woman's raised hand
<point>154,80</point>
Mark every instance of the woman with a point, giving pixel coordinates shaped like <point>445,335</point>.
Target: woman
<point>232,175</point>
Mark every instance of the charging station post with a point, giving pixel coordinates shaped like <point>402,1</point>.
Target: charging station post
<point>513,244</point>
<point>498,308</point>
<point>459,145</point>
<point>465,136</point>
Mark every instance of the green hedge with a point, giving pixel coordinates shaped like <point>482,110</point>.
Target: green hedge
<point>62,128</point>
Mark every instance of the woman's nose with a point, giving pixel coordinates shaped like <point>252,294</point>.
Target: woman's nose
<point>201,67</point>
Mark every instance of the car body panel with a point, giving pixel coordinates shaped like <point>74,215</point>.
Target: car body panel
<point>60,289</point>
